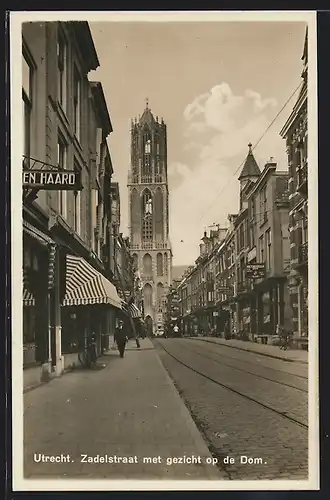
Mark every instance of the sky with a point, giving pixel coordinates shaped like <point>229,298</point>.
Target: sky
<point>218,86</point>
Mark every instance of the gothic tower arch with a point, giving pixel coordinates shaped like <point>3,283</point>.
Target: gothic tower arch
<point>149,211</point>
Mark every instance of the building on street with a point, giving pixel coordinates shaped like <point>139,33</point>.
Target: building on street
<point>149,215</point>
<point>67,288</point>
<point>295,134</point>
<point>238,286</point>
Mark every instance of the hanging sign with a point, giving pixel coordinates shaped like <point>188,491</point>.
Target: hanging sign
<point>255,271</point>
<point>64,180</point>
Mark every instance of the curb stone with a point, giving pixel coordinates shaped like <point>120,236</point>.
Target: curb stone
<point>251,350</point>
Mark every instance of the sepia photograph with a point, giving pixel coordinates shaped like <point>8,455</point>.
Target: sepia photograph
<point>164,250</point>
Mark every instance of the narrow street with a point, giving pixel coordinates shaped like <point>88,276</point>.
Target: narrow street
<point>244,404</point>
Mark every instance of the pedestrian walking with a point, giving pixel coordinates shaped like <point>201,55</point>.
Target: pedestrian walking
<point>120,338</point>
<point>137,328</point>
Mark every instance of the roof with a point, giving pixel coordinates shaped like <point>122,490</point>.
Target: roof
<point>147,116</point>
<point>85,42</point>
<point>250,168</point>
<point>101,105</point>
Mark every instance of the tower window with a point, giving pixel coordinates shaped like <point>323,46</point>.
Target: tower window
<point>160,267</point>
<point>147,220</point>
<point>147,148</point>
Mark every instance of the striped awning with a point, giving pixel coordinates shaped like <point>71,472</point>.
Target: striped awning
<point>86,286</point>
<point>134,311</point>
<point>28,297</point>
<point>131,309</point>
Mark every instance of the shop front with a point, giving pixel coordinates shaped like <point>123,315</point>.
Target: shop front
<point>37,306</point>
<point>89,308</point>
<point>271,305</point>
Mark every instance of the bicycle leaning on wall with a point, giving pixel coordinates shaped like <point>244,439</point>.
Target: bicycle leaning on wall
<point>87,357</point>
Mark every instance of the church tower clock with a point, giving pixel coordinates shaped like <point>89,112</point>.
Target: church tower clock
<point>149,214</point>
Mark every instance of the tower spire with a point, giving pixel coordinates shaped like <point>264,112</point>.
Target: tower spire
<point>147,103</point>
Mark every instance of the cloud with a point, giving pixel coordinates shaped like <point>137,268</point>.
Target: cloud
<point>218,127</point>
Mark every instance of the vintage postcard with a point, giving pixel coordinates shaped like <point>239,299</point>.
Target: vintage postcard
<point>164,256</point>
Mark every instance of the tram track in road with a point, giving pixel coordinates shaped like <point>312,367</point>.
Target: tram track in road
<point>281,414</point>
<point>216,344</point>
<point>245,371</point>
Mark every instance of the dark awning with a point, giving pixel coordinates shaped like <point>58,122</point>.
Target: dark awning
<point>36,234</point>
<point>86,286</point>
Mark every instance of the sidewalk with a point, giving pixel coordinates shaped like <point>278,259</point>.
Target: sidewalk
<point>295,355</point>
<point>130,408</point>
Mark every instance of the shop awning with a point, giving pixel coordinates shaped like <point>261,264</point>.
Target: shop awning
<point>134,311</point>
<point>131,309</point>
<point>86,286</point>
<point>36,234</point>
<point>28,297</point>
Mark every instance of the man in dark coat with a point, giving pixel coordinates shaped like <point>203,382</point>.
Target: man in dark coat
<point>120,338</point>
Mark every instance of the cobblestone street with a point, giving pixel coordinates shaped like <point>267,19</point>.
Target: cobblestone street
<point>247,405</point>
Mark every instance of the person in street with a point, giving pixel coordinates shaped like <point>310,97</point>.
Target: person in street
<point>92,347</point>
<point>120,338</point>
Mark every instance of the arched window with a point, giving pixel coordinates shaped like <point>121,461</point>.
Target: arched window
<point>147,296</point>
<point>165,264</point>
<point>158,165</point>
<point>160,293</point>
<point>135,216</point>
<point>147,264</point>
<point>160,267</point>
<point>146,174</point>
<point>159,215</point>
<point>147,211</point>
<point>147,146</point>
<point>134,156</point>
<point>135,261</point>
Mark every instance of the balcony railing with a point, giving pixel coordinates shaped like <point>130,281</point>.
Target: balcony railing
<point>303,253</point>
<point>149,245</point>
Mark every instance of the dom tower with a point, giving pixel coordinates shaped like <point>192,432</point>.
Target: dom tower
<point>149,215</point>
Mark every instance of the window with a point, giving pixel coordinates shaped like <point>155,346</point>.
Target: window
<point>263,205</point>
<point>76,204</point>
<point>147,221</point>
<point>146,173</point>
<point>160,270</point>
<point>268,249</point>
<point>147,148</point>
<point>61,162</point>
<point>61,70</point>
<point>147,296</point>
<point>165,264</point>
<point>147,264</point>
<point>262,249</point>
<point>27,86</point>
<point>76,102</point>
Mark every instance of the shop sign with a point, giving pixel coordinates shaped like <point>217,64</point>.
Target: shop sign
<point>224,289</point>
<point>64,180</point>
<point>255,271</point>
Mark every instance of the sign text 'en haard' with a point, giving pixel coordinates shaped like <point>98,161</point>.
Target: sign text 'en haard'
<point>65,180</point>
